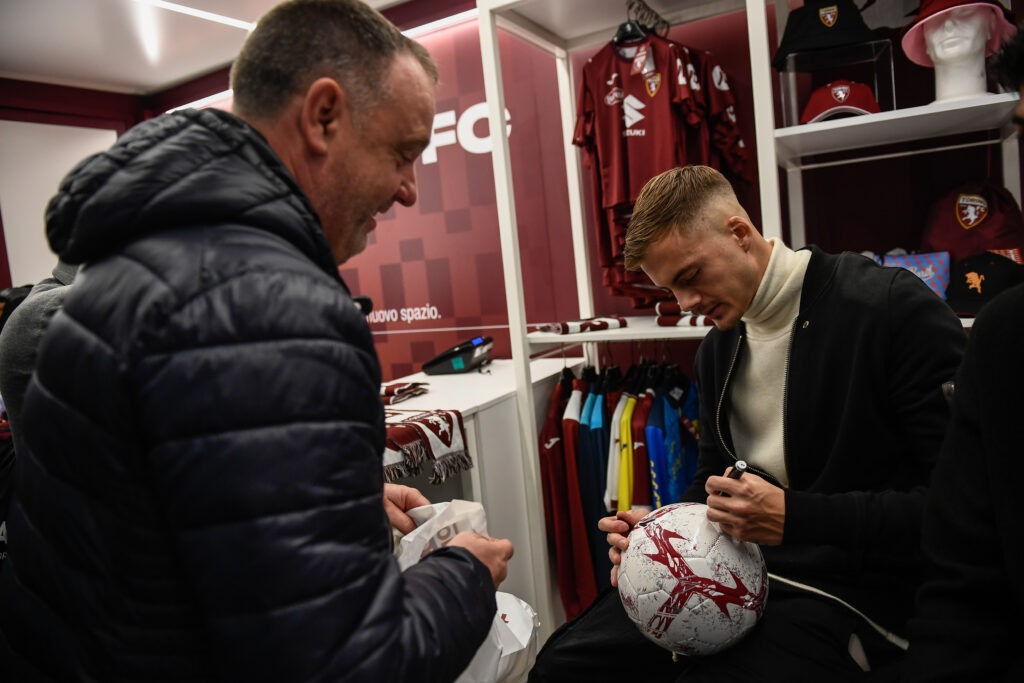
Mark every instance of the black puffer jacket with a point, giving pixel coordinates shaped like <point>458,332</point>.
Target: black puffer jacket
<point>200,493</point>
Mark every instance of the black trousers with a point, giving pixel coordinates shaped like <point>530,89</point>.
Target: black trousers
<point>800,638</point>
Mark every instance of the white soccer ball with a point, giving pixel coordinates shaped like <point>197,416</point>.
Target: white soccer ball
<point>688,586</point>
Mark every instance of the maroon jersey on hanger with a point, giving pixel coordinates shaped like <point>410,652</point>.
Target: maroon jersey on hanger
<point>630,115</point>
<point>728,151</point>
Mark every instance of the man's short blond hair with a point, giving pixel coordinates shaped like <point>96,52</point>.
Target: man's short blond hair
<point>675,199</point>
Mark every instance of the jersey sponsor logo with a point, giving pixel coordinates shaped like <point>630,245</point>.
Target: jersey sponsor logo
<point>829,15</point>
<point>840,93</point>
<point>611,81</point>
<point>971,210</point>
<point>730,113</point>
<point>653,84</point>
<point>614,96</point>
<point>550,443</point>
<point>719,78</point>
<point>631,114</point>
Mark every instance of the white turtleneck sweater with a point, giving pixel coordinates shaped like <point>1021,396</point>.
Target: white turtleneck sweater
<point>755,418</point>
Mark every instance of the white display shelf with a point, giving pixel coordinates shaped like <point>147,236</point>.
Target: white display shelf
<point>935,120</point>
<point>471,392</point>
<point>638,328</point>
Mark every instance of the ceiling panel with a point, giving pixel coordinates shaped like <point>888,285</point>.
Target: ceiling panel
<point>121,46</point>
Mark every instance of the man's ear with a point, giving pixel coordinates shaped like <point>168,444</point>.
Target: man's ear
<point>741,230</point>
<point>323,112</point>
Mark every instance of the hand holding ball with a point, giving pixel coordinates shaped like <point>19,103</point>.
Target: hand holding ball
<point>689,587</point>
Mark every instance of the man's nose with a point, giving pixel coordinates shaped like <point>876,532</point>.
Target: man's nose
<point>406,193</point>
<point>687,299</point>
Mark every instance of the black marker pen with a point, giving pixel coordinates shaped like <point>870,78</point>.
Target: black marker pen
<point>738,469</point>
<point>735,473</point>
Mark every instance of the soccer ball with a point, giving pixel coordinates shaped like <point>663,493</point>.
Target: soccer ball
<point>689,587</point>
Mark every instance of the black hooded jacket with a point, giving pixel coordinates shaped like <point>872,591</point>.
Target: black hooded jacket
<point>199,496</point>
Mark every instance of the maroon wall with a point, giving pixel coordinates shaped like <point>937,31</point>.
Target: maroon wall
<point>434,271</point>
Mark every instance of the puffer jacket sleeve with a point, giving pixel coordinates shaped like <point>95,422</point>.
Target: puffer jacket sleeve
<point>259,400</point>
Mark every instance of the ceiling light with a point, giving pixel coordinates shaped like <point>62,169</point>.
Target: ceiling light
<point>192,12</point>
<point>454,19</point>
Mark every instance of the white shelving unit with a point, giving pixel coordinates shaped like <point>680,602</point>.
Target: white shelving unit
<point>639,328</point>
<point>486,400</point>
<point>931,122</point>
<point>562,26</point>
<point>559,27</point>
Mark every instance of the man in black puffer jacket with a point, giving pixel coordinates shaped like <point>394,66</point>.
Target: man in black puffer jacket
<point>198,493</point>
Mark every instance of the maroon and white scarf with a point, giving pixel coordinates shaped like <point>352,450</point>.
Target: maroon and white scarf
<point>584,325</point>
<point>396,392</point>
<point>415,437</point>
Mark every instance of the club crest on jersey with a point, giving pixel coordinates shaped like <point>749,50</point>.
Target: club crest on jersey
<point>840,93</point>
<point>653,83</point>
<point>614,96</point>
<point>829,15</point>
<point>971,209</point>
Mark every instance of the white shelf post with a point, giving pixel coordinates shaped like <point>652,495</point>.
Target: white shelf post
<point>509,233</point>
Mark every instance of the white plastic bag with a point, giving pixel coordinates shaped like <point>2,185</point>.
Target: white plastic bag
<point>436,525</point>
<point>510,648</point>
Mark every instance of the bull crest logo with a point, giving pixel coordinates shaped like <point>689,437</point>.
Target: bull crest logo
<point>840,93</point>
<point>653,83</point>
<point>829,15</point>
<point>971,210</point>
<point>974,281</point>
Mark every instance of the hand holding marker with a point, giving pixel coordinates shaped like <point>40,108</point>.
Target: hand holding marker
<point>738,469</point>
<point>735,473</point>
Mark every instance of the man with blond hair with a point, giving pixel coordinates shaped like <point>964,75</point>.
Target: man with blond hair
<point>823,373</point>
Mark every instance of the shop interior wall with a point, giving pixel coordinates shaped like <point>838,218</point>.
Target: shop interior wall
<point>434,270</point>
<point>443,255</point>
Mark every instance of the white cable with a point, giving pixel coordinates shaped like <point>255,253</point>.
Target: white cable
<point>898,641</point>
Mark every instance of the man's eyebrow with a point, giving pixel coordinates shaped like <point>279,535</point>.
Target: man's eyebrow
<point>686,270</point>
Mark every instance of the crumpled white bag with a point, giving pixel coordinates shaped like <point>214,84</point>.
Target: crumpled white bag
<point>436,525</point>
<point>510,648</point>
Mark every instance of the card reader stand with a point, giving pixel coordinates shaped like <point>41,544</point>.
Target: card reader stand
<point>463,357</point>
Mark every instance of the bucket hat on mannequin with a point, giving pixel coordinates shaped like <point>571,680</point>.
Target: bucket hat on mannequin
<point>913,34</point>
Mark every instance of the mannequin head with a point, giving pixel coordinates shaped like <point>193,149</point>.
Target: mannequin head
<point>954,37</point>
<point>955,40</point>
<point>958,35</point>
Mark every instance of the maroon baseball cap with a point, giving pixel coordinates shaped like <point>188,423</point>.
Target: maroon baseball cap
<point>977,279</point>
<point>913,33</point>
<point>972,218</point>
<point>839,97</point>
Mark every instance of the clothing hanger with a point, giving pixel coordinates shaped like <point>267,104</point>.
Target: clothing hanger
<point>629,31</point>
<point>649,20</point>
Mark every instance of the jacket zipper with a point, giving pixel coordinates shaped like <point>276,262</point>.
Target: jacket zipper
<point>785,397</point>
<point>721,400</point>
